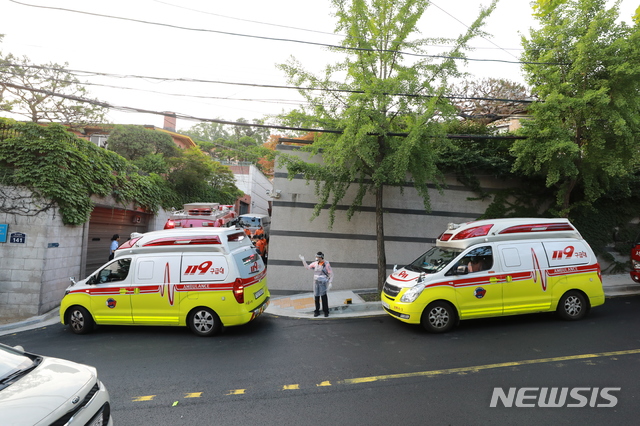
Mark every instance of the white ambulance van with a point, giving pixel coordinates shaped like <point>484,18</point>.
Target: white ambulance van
<point>494,268</point>
<point>204,278</point>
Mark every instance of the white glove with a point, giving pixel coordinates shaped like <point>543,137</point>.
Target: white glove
<point>301,257</point>
<point>330,285</point>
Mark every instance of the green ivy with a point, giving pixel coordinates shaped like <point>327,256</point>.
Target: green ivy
<point>55,164</point>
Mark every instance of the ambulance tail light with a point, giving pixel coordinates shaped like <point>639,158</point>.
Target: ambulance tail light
<point>170,225</point>
<point>238,290</point>
<point>476,231</point>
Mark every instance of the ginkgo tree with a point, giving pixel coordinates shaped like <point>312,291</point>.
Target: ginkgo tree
<point>583,64</point>
<point>383,101</point>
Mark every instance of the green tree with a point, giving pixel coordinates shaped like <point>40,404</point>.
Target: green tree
<point>385,98</point>
<point>240,144</point>
<point>197,178</point>
<point>208,132</point>
<point>584,66</point>
<point>135,142</point>
<point>45,93</point>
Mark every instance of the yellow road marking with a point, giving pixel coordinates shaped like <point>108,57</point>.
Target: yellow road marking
<point>143,398</point>
<point>461,370</point>
<point>486,367</point>
<point>290,387</point>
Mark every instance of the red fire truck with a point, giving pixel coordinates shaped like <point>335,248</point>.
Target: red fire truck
<point>195,215</point>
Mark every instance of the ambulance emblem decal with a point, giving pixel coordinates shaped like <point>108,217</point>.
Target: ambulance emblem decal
<point>479,292</point>
<point>168,287</point>
<point>111,303</point>
<point>537,270</point>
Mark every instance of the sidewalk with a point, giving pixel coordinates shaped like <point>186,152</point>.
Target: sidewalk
<point>342,304</point>
<point>302,305</point>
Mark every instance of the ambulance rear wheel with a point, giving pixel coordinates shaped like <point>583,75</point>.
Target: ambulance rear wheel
<point>204,322</point>
<point>80,320</point>
<point>439,317</point>
<point>573,306</point>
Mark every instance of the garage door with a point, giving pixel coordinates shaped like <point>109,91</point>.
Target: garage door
<point>105,222</point>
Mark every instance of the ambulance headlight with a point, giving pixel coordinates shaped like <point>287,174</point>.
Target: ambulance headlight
<point>635,264</point>
<point>412,294</point>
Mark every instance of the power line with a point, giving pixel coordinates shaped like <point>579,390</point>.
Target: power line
<point>331,46</point>
<point>232,123</point>
<point>247,20</point>
<point>267,86</point>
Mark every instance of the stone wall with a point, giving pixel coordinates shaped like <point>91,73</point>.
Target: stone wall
<point>35,273</point>
<point>350,246</point>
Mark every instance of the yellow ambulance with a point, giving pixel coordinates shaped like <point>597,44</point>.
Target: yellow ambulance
<point>204,278</point>
<point>497,267</point>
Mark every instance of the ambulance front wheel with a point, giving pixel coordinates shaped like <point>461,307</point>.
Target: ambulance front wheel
<point>439,317</point>
<point>573,306</point>
<point>80,320</point>
<point>204,322</point>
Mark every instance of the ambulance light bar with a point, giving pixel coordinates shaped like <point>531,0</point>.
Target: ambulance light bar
<point>170,241</point>
<point>476,231</point>
<point>542,227</point>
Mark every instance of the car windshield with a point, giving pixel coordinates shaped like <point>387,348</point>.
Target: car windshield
<point>13,364</point>
<point>434,260</point>
<point>249,221</point>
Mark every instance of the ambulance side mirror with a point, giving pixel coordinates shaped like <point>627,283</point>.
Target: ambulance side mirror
<point>462,270</point>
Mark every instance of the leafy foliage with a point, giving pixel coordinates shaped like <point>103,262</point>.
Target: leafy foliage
<point>365,98</point>
<point>235,143</point>
<point>56,165</point>
<point>583,138</point>
<point>493,99</point>
<point>196,177</point>
<point>135,142</point>
<point>45,93</point>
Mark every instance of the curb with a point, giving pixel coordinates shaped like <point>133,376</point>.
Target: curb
<point>33,321</point>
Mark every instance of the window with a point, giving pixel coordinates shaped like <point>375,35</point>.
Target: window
<point>478,259</point>
<point>115,271</point>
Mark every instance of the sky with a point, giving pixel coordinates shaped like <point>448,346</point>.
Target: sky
<point>224,42</point>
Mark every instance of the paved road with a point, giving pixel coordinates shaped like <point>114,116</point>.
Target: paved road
<point>366,370</point>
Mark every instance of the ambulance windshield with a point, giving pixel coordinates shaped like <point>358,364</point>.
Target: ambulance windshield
<point>434,260</point>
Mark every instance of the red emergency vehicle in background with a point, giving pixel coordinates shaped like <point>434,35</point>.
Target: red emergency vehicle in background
<point>635,260</point>
<point>195,215</point>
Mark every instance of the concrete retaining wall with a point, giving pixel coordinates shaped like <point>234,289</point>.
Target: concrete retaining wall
<point>35,273</point>
<point>350,246</point>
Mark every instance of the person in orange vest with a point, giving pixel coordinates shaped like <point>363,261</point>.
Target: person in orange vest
<point>261,245</point>
<point>259,231</point>
<point>248,232</point>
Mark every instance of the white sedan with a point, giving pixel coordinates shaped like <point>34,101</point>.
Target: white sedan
<point>40,390</point>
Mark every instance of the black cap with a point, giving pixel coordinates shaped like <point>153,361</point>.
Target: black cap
<point>320,254</point>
